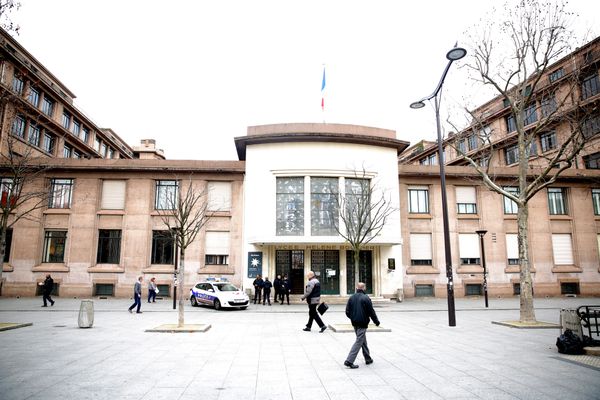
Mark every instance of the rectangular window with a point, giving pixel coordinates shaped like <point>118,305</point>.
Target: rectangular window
<point>34,96</point>
<point>97,144</point>
<point>466,199</point>
<point>424,291</point>
<point>473,142</point>
<point>429,160</point>
<point>569,288</point>
<point>592,161</point>
<point>512,249</point>
<point>34,134</point>
<point>86,135</point>
<point>66,120</point>
<point>468,248</point>
<point>216,248</point>
<point>76,127</point>
<point>590,86</point>
<point>219,196</point>
<point>323,206</point>
<point>111,153</point>
<point>562,249</point>
<point>473,289</point>
<point>358,193</point>
<point>60,195</point>
<point>67,151</point>
<point>54,246</point>
<point>418,200</point>
<point>420,249</point>
<point>461,147</point>
<point>548,141</point>
<point>596,201</point>
<point>109,246</point>
<point>113,195</point>
<point>510,207</point>
<point>556,75</point>
<point>18,126</point>
<point>17,84</point>
<point>9,234</point>
<point>104,289</point>
<point>166,195</point>
<point>48,106</point>
<point>103,150</point>
<point>530,114</point>
<point>49,143</point>
<point>163,248</point>
<point>590,126</point>
<point>511,125</point>
<point>511,154</point>
<point>290,206</point>
<point>76,154</point>
<point>557,201</point>
<point>7,187</point>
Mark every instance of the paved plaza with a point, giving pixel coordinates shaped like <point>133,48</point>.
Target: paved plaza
<point>262,353</point>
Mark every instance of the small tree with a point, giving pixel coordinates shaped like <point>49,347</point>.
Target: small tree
<point>363,213</point>
<point>535,34</point>
<point>184,214</point>
<point>6,9</point>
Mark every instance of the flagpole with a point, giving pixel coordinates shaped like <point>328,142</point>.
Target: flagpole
<point>323,95</point>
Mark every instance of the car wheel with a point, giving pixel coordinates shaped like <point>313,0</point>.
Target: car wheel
<point>243,308</point>
<point>217,304</point>
<point>194,301</point>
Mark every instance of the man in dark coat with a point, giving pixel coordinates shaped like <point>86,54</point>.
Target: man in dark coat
<point>285,289</point>
<point>258,287</point>
<point>360,309</point>
<point>47,287</point>
<point>267,285</point>
<point>277,286</point>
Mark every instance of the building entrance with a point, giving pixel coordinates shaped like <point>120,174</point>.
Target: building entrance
<point>326,266</point>
<point>365,270</point>
<point>291,263</point>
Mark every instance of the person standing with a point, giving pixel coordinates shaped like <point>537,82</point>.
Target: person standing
<point>267,285</point>
<point>360,309</point>
<point>277,286</point>
<point>47,287</point>
<point>285,289</point>
<point>312,294</point>
<point>137,296</point>
<point>258,286</point>
<point>152,290</point>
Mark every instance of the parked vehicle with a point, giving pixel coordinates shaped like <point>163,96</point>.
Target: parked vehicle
<point>218,295</point>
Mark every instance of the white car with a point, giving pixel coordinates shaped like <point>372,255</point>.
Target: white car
<point>218,294</point>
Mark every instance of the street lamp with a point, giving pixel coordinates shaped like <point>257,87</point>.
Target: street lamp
<point>454,54</point>
<point>481,233</point>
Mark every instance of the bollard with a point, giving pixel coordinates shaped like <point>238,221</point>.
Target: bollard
<point>86,314</point>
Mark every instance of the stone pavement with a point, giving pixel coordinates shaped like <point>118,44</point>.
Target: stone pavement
<point>261,353</point>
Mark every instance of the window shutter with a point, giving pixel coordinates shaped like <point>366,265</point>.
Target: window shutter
<point>420,246</point>
<point>562,249</point>
<point>466,195</point>
<point>468,245</point>
<point>217,243</point>
<point>512,245</point>
<point>113,195</point>
<point>219,196</point>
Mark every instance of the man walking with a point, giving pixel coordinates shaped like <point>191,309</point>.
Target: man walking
<point>47,287</point>
<point>137,296</point>
<point>312,294</point>
<point>360,309</point>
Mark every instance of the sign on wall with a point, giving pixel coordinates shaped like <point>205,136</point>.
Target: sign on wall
<point>254,263</point>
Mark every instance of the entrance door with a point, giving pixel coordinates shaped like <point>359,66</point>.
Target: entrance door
<point>326,265</point>
<point>291,263</point>
<point>365,270</point>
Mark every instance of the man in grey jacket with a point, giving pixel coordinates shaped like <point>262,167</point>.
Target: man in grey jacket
<point>137,296</point>
<point>312,294</point>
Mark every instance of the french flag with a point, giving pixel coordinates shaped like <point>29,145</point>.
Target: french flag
<point>323,91</point>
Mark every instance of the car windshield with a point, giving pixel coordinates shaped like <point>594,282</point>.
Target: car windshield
<point>225,287</point>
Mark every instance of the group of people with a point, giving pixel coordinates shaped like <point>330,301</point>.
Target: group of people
<point>137,294</point>
<point>262,289</point>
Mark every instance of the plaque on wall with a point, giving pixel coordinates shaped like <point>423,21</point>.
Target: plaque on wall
<point>254,263</point>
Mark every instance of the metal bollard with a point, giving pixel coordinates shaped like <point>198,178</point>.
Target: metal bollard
<point>86,314</point>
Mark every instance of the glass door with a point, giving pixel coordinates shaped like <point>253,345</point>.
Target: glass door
<point>291,263</point>
<point>365,270</point>
<point>326,265</point>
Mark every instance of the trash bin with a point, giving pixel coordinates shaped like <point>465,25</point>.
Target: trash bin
<point>86,314</point>
<point>399,295</point>
<point>570,320</point>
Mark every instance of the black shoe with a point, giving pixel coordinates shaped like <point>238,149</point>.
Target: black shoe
<point>323,329</point>
<point>44,305</point>
<point>350,365</point>
<point>130,312</point>
<point>138,312</point>
<point>369,361</point>
<point>153,301</point>
<point>306,329</point>
<point>52,304</point>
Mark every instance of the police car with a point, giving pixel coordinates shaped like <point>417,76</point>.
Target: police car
<point>218,294</point>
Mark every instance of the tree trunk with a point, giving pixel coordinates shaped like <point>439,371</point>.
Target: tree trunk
<point>527,312</point>
<point>181,294</point>
<point>3,229</point>
<point>356,255</point>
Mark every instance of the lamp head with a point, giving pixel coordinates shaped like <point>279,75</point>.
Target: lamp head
<point>481,232</point>
<point>417,104</point>
<point>456,54</point>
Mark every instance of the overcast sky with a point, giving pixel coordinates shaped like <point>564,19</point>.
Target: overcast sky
<point>194,74</point>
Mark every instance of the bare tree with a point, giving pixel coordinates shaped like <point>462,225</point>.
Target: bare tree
<point>363,212</point>
<point>512,56</point>
<point>6,9</point>
<point>184,214</point>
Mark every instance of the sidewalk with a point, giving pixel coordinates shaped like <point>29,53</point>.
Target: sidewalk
<point>261,353</point>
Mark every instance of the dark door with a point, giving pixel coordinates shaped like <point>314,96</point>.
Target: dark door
<point>365,270</point>
<point>326,266</point>
<point>291,263</point>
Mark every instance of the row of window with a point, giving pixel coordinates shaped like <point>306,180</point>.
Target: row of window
<point>466,200</point>
<point>33,133</point>
<point>476,289</point>
<point>421,249</point>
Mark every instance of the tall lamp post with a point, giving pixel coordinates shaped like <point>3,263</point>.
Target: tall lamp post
<point>481,233</point>
<point>455,54</point>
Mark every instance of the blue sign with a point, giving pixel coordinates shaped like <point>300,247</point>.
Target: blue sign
<point>254,263</point>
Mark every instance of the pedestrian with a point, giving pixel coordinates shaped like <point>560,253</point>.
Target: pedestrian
<point>285,289</point>
<point>312,294</point>
<point>258,286</point>
<point>137,296</point>
<point>47,288</point>
<point>267,285</point>
<point>277,286</point>
<point>152,289</point>
<point>360,309</point>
